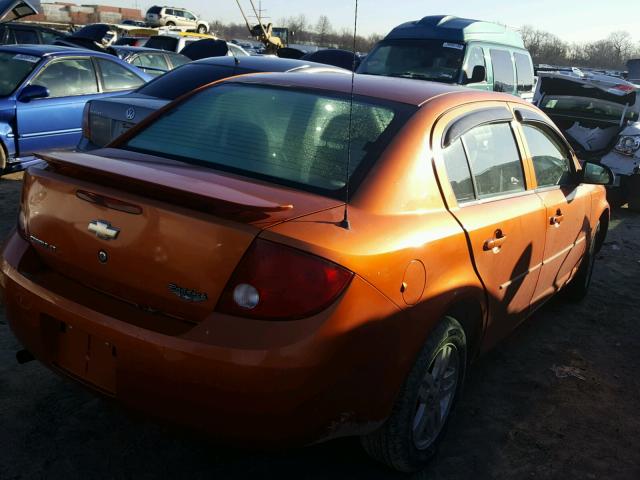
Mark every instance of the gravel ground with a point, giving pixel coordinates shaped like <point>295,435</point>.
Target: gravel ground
<point>520,416</point>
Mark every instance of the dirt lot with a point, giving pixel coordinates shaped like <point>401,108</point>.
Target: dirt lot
<point>517,419</point>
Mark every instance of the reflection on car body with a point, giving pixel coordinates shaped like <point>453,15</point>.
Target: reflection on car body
<point>352,272</point>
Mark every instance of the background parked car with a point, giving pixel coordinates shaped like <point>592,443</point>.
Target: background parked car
<point>600,116</point>
<point>151,61</point>
<point>43,91</point>
<point>175,17</point>
<point>180,43</point>
<point>453,50</point>
<point>105,119</point>
<point>27,33</point>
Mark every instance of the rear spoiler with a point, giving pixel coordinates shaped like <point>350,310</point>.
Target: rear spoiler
<point>162,181</point>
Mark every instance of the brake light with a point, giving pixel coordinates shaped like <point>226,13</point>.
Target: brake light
<point>86,121</point>
<point>276,282</point>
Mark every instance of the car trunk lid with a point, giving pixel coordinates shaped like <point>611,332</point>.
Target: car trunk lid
<point>110,118</point>
<point>160,235</point>
<point>14,9</point>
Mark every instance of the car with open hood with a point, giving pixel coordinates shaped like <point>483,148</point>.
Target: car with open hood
<point>43,91</point>
<point>600,116</point>
<point>106,119</point>
<point>285,258</point>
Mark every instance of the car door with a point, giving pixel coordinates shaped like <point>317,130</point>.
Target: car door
<point>567,204</point>
<point>55,122</point>
<point>488,191</point>
<point>190,20</point>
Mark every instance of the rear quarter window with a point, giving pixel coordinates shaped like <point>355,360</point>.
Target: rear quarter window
<point>503,75</point>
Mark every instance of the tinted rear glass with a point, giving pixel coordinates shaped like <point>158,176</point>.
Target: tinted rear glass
<point>185,79</point>
<point>162,42</point>
<point>503,78</point>
<point>524,72</point>
<point>286,136</point>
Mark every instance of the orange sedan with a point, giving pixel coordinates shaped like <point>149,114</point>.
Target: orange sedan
<point>280,262</point>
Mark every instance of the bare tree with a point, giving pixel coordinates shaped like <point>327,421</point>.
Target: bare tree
<point>323,30</point>
<point>622,44</point>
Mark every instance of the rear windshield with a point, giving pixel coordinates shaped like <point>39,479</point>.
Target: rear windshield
<point>162,42</point>
<point>286,136</point>
<point>185,79</point>
<point>435,60</point>
<point>14,69</point>
<point>591,108</point>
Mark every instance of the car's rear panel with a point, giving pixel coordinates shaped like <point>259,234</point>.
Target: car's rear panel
<point>110,118</point>
<point>104,224</point>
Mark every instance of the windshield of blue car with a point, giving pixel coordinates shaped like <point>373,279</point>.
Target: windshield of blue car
<point>285,136</point>
<point>14,69</point>
<point>587,107</point>
<point>434,60</point>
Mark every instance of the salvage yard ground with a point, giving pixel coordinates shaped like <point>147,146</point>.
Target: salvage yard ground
<point>558,399</point>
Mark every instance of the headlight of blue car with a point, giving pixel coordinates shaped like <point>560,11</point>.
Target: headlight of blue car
<point>628,144</point>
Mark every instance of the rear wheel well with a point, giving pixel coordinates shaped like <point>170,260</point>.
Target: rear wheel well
<point>469,314</point>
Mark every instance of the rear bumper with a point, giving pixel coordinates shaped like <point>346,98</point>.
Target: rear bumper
<point>245,382</point>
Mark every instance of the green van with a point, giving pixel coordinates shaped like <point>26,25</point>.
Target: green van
<point>481,55</point>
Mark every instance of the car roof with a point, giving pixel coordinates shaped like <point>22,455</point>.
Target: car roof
<point>266,63</point>
<point>450,28</point>
<point>43,50</point>
<point>400,90</point>
<point>131,49</point>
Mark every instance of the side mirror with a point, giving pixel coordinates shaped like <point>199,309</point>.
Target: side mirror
<point>32,92</point>
<point>479,74</point>
<point>596,174</point>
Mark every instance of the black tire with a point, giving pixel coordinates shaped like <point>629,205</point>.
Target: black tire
<point>395,443</point>
<point>3,160</point>
<point>579,285</point>
<point>202,29</point>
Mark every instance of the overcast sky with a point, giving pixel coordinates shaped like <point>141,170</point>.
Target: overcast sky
<point>571,20</point>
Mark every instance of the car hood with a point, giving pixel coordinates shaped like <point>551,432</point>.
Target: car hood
<point>11,10</point>
<point>633,129</point>
<point>579,84</point>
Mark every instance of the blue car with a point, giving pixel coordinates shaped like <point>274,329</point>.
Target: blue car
<point>43,91</point>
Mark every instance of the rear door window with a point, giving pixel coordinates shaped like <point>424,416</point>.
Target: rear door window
<point>503,74</point>
<point>550,160</point>
<point>494,159</point>
<point>524,72</point>
<point>68,78</point>
<point>115,77</point>
<point>26,36</point>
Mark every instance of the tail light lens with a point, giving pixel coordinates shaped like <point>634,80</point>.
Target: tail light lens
<point>86,123</point>
<point>276,282</point>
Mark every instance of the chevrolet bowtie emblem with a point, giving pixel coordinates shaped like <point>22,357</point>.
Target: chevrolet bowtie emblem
<point>104,230</point>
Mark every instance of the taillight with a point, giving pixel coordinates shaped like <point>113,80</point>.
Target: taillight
<point>276,282</point>
<point>86,121</point>
<point>22,216</point>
